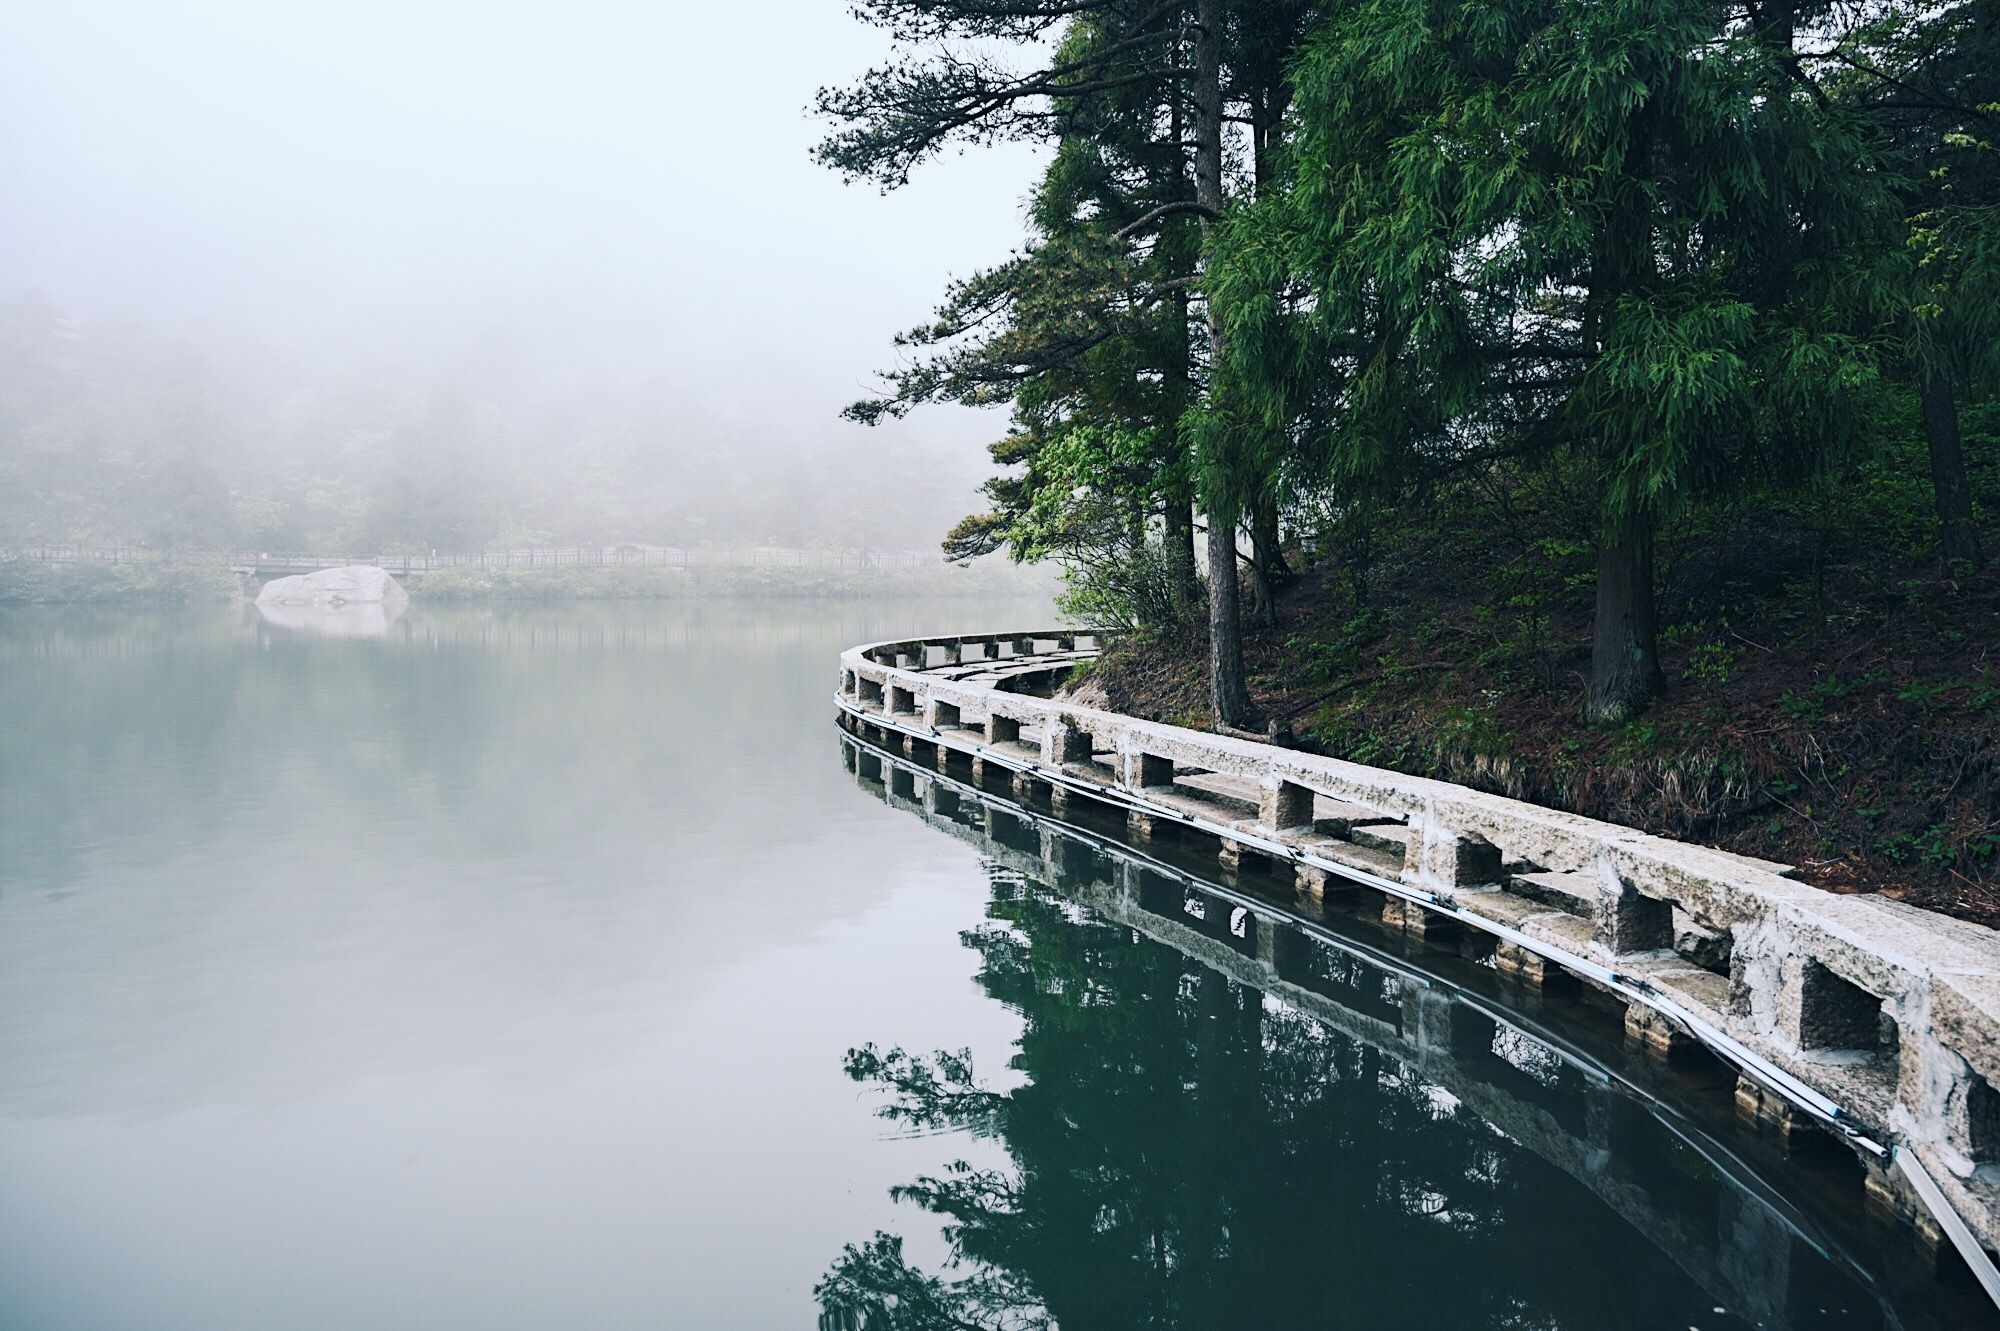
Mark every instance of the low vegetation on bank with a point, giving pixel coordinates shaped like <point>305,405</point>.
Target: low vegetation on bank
<point>31,582</point>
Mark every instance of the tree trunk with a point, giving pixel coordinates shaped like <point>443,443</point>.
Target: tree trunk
<point>1263,607</point>
<point>1267,560</point>
<point>1183,568</point>
<point>1228,695</point>
<point>1625,656</point>
<point>1183,564</point>
<point>1228,698</point>
<point>1265,535</point>
<point>1954,494</point>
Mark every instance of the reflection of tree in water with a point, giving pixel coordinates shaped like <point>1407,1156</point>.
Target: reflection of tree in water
<point>1184,1155</point>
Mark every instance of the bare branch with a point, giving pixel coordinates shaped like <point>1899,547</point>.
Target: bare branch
<point>1165,210</point>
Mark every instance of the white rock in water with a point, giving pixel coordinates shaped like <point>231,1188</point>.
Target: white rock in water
<point>359,601</point>
<point>332,588</point>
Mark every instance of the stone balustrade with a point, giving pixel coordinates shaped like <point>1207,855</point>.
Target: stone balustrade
<point>1876,1016</point>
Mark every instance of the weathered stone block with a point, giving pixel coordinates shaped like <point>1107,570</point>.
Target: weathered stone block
<point>1065,743</point>
<point>1284,806</point>
<point>1965,1016</point>
<point>1319,891</point>
<point>1655,1033</point>
<point>1628,921</point>
<point>1148,769</point>
<point>1834,1013</point>
<point>1235,856</point>
<point>1886,947</point>
<point>1706,948</point>
<point>1430,926</point>
<point>1948,1105</point>
<point>1440,857</point>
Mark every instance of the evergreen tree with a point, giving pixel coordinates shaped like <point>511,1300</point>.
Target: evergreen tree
<point>1927,78</point>
<point>1102,382</point>
<point>1609,232</point>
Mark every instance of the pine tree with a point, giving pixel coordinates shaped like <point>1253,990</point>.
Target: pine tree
<point>1608,231</point>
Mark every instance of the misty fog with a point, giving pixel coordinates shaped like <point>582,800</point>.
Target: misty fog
<point>404,275</point>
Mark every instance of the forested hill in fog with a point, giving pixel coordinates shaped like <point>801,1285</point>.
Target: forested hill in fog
<point>115,432</point>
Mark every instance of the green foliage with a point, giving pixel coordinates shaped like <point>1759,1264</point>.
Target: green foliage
<point>1612,273</point>
<point>1132,585</point>
<point>1543,223</point>
<point>31,582</point>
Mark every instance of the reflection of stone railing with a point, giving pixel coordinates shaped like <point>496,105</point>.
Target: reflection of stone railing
<point>1550,1099</point>
<point>1879,1020</point>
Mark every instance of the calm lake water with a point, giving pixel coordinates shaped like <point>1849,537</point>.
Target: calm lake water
<point>554,968</point>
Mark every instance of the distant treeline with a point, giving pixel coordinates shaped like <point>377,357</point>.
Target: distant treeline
<point>116,434</point>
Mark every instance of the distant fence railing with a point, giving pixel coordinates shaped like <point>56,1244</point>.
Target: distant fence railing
<point>610,556</point>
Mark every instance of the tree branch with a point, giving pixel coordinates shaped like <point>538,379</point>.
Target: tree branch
<point>1165,210</point>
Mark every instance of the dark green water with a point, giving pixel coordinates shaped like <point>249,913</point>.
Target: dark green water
<point>549,968</point>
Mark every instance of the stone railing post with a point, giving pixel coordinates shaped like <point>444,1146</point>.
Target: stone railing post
<point>1441,858</point>
<point>1282,806</point>
<point>1064,743</point>
<point>1142,770</point>
<point>1626,921</point>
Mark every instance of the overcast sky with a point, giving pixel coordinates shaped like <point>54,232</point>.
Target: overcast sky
<point>596,190</point>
